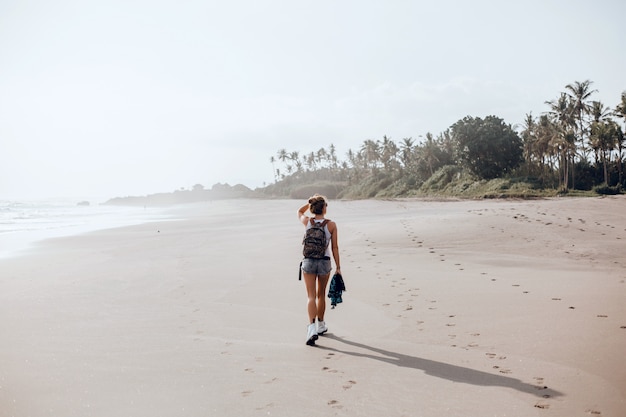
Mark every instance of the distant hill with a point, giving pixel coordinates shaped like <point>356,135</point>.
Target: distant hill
<point>197,194</point>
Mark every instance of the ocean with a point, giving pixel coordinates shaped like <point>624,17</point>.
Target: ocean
<point>23,223</point>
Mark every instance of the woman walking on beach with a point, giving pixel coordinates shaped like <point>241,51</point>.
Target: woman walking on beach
<point>316,265</point>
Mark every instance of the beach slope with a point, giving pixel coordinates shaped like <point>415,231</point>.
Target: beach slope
<point>453,308</point>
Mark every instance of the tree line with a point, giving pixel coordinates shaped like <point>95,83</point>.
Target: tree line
<point>577,143</point>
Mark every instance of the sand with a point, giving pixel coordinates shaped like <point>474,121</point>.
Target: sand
<point>453,308</point>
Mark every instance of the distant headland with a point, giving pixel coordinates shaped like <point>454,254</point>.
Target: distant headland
<point>183,196</point>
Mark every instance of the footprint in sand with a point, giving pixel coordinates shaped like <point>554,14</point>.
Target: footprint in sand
<point>335,404</point>
<point>348,385</point>
<point>540,385</point>
<point>268,405</point>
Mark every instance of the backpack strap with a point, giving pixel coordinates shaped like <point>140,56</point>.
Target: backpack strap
<point>324,223</point>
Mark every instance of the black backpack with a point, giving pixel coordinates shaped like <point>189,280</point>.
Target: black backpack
<point>314,242</point>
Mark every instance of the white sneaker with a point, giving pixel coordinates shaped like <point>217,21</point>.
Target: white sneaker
<point>311,335</point>
<point>321,327</point>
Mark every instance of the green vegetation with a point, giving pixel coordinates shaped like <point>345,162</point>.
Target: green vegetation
<point>574,148</point>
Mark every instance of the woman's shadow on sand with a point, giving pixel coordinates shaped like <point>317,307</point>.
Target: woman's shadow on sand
<point>442,370</point>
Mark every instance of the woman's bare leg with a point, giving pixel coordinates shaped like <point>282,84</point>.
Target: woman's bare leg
<point>310,281</point>
<point>322,281</point>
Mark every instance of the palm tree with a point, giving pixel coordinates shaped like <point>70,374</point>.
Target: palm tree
<point>273,160</point>
<point>406,153</point>
<point>579,93</point>
<point>604,138</point>
<point>355,165</point>
<point>529,139</point>
<point>546,130</point>
<point>598,111</point>
<point>332,156</point>
<point>620,111</point>
<point>351,158</point>
<point>370,153</point>
<point>389,152</point>
<point>309,161</point>
<point>295,157</point>
<point>429,153</point>
<point>283,155</point>
<point>562,114</point>
<point>597,140</point>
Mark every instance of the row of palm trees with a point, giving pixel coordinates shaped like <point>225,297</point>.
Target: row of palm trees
<point>313,161</point>
<point>575,132</point>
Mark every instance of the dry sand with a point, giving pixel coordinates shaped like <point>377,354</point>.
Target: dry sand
<point>464,308</point>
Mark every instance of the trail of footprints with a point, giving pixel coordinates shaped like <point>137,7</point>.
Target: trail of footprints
<point>552,220</point>
<point>419,243</point>
<point>407,297</point>
<point>346,385</point>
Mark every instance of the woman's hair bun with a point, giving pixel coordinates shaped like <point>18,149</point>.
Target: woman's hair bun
<point>317,202</point>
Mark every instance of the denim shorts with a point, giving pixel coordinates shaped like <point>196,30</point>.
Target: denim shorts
<point>316,266</point>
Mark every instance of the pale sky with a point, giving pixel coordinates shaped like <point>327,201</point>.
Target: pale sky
<point>122,97</point>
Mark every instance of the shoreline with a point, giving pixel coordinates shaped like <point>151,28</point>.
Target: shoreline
<point>27,237</point>
<point>493,307</point>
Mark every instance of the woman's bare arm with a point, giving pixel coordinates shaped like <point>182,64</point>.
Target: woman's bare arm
<point>335,245</point>
<point>303,218</point>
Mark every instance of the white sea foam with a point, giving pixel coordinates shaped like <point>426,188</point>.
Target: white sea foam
<point>24,222</point>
